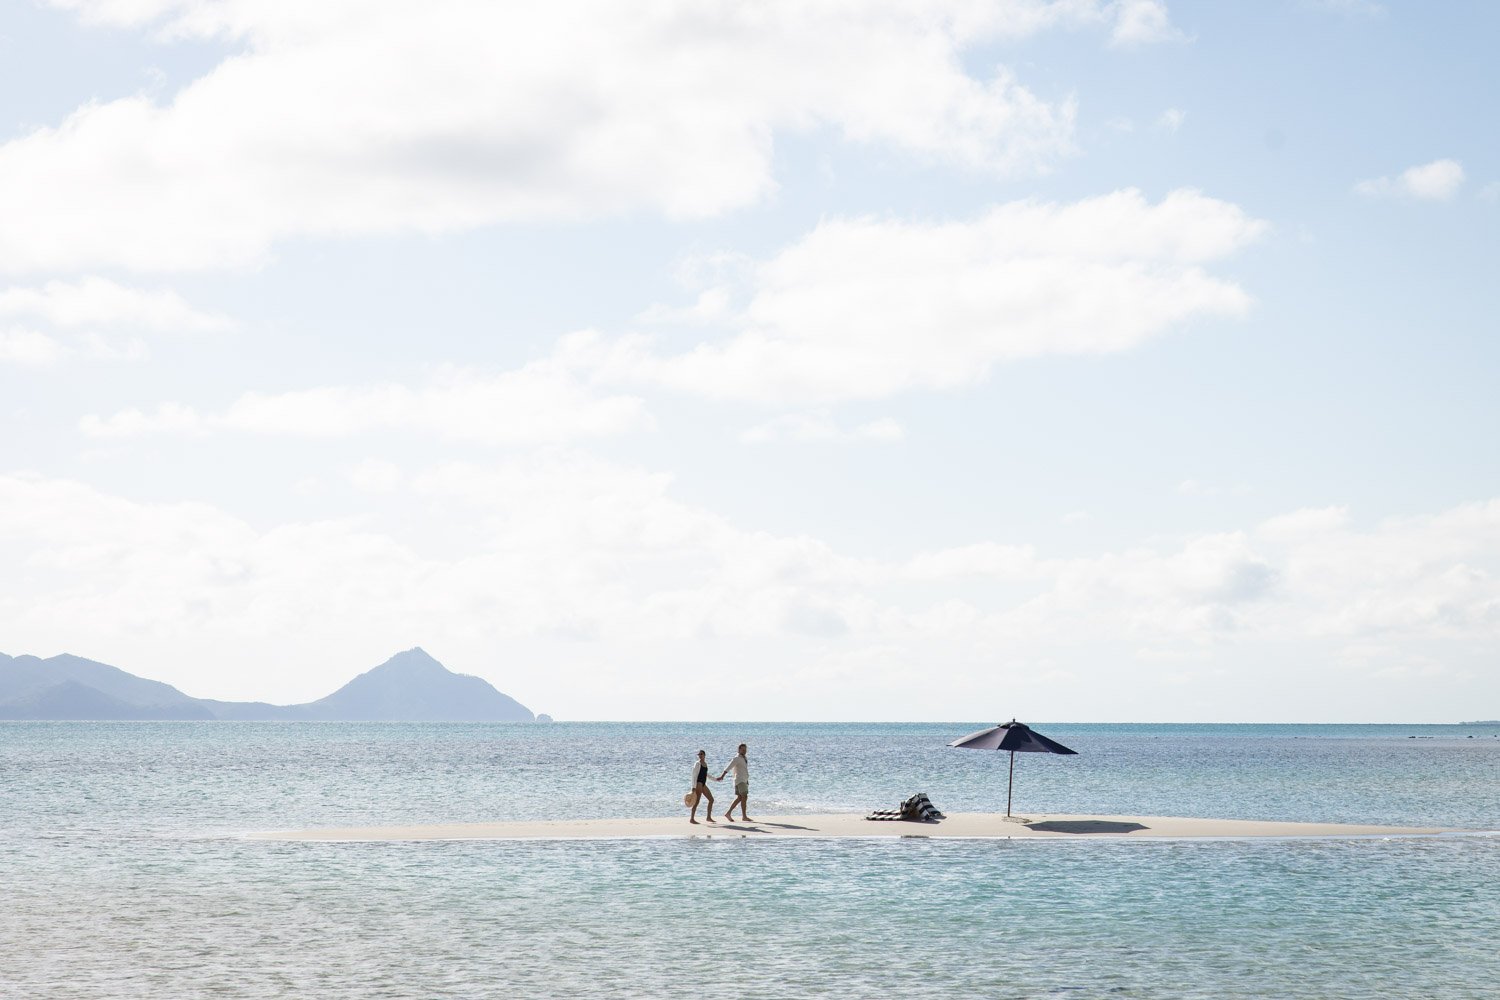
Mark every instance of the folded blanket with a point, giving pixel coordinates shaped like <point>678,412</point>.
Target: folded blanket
<point>918,809</point>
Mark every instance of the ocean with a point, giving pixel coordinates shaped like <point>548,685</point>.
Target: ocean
<point>124,870</point>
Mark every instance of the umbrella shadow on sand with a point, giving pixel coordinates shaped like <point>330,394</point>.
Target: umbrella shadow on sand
<point>1085,826</point>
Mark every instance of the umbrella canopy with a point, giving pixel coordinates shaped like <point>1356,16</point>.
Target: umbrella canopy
<point>1017,737</point>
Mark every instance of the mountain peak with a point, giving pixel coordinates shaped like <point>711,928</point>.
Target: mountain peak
<point>413,686</point>
<point>412,659</point>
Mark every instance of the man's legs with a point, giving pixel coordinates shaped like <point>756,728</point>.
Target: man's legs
<point>741,797</point>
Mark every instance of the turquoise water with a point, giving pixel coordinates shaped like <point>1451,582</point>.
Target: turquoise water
<point>125,873</point>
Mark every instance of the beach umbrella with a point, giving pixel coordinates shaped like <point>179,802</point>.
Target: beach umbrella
<point>1017,737</point>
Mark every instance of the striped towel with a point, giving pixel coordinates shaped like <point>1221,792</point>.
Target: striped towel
<point>918,808</point>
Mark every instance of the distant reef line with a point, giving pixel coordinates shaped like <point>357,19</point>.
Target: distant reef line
<point>409,687</point>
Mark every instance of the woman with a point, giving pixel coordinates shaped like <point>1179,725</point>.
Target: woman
<point>700,788</point>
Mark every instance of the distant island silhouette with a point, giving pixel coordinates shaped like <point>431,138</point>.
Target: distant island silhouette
<point>409,687</point>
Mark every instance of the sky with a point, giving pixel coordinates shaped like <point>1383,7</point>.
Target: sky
<point>1087,360</point>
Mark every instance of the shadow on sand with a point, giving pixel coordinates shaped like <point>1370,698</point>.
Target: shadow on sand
<point>1085,826</point>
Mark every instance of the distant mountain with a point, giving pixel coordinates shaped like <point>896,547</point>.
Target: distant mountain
<point>72,700</point>
<point>412,686</point>
<point>70,687</point>
<point>252,711</point>
<point>409,687</point>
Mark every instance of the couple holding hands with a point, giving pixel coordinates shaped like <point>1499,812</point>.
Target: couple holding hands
<point>741,768</point>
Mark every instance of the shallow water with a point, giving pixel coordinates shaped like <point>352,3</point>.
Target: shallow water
<point>125,873</point>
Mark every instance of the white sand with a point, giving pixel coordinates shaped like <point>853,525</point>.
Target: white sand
<point>957,825</point>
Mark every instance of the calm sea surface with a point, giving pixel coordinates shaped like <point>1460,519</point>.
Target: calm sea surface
<point>124,873</point>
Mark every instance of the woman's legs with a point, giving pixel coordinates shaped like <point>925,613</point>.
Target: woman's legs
<point>703,793</point>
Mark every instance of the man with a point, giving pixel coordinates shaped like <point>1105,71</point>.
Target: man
<point>741,768</point>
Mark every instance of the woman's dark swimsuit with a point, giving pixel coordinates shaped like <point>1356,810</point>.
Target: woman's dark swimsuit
<point>703,775</point>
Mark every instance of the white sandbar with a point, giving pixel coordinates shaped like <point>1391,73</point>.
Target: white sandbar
<point>991,826</point>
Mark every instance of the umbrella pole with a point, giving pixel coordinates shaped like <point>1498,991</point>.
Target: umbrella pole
<point>1011,784</point>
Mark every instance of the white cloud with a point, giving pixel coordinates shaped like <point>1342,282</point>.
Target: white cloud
<point>1306,523</point>
<point>21,346</point>
<point>1198,488</point>
<point>345,118</point>
<point>94,302</point>
<point>1143,22</point>
<point>375,476</point>
<point>711,306</point>
<point>1171,119</point>
<point>819,428</point>
<point>857,309</point>
<point>1435,181</point>
<point>990,559</point>
<point>33,348</point>
<point>866,308</point>
<point>566,549</point>
<point>167,418</point>
<point>1434,574</point>
<point>541,403</point>
<point>92,318</point>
